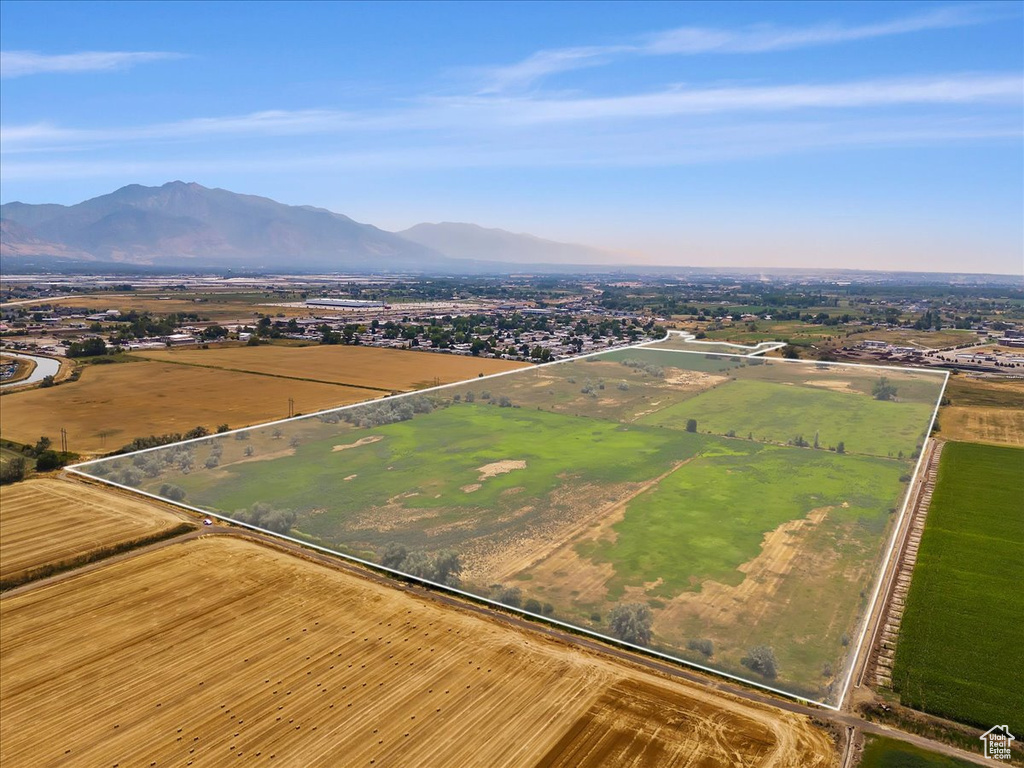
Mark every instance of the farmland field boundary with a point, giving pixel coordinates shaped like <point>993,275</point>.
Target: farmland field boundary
<point>858,656</point>
<point>77,469</point>
<point>264,373</point>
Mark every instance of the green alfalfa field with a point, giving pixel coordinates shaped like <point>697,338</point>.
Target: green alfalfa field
<point>960,653</point>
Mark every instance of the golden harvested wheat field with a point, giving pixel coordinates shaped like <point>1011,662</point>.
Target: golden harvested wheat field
<point>356,366</point>
<point>221,651</point>
<point>47,522</point>
<point>113,404</point>
<point>999,426</point>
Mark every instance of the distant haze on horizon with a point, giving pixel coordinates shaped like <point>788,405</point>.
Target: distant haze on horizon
<point>882,136</point>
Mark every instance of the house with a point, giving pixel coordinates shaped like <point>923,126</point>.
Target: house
<point>997,742</point>
<point>875,344</point>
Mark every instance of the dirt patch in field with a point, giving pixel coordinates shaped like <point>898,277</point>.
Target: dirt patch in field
<point>258,456</point>
<point>496,468</point>
<point>694,381</point>
<point>835,386</point>
<point>471,487</point>
<point>357,443</point>
<point>550,555</point>
<point>752,597</point>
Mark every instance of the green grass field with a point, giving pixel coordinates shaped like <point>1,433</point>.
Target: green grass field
<point>707,362</point>
<point>882,752</point>
<point>723,503</point>
<point>780,413</point>
<point>418,462</point>
<point>961,648</point>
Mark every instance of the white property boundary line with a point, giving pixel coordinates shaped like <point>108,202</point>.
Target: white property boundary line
<point>77,470</point>
<point>758,349</point>
<point>859,649</point>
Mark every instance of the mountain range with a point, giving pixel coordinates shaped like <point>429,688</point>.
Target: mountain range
<point>188,226</point>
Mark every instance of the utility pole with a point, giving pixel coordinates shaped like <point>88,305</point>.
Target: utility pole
<point>291,407</point>
<point>63,440</point>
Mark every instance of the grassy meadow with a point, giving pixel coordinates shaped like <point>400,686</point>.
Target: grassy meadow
<point>580,484</point>
<point>780,413</point>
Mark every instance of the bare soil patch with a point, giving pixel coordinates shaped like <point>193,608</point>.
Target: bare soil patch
<point>496,468</point>
<point>359,442</point>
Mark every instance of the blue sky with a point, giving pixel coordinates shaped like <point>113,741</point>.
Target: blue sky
<point>865,135</point>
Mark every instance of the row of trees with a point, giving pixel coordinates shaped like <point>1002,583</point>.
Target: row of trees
<point>442,567</point>
<point>41,456</point>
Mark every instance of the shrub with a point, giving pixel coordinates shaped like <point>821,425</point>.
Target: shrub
<point>510,596</point>
<point>702,645</point>
<point>632,622</point>
<point>172,492</point>
<point>761,659</point>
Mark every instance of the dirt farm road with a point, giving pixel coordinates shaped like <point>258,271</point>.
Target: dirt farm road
<point>844,721</point>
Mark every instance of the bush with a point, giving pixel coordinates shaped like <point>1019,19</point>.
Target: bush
<point>631,622</point>
<point>441,568</point>
<point>510,596</point>
<point>702,645</point>
<point>883,390</point>
<point>266,517</point>
<point>532,606</point>
<point>172,492</point>
<point>49,459</point>
<point>761,659</point>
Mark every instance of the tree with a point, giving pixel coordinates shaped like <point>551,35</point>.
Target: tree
<point>12,471</point>
<point>761,659</point>
<point>393,555</point>
<point>87,348</point>
<point>883,390</point>
<point>790,352</point>
<point>841,447</point>
<point>48,460</point>
<point>691,425</point>
<point>631,622</point>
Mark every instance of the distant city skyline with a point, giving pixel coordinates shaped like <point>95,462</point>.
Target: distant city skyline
<point>834,135</point>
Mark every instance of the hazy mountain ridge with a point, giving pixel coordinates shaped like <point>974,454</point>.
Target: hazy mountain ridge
<point>191,225</point>
<point>470,241</point>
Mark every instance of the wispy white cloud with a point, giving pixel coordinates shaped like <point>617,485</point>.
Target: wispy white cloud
<point>948,90</point>
<point>23,63</point>
<point>761,38</point>
<point>470,114</point>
